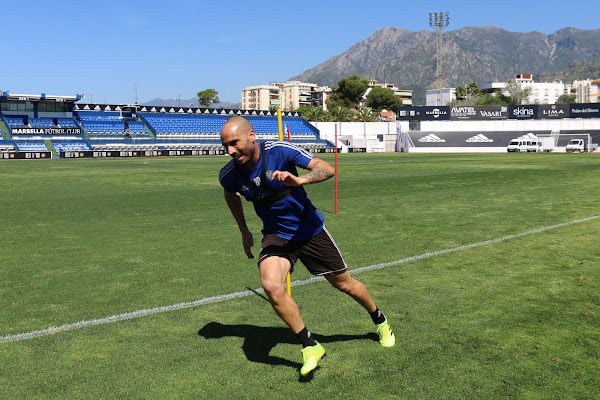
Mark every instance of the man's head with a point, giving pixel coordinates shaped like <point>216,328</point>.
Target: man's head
<point>239,140</point>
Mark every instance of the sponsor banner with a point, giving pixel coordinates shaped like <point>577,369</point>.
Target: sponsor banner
<point>423,113</point>
<point>463,112</point>
<point>21,155</point>
<point>76,154</point>
<point>523,111</point>
<point>46,131</point>
<point>553,111</point>
<point>478,113</point>
<point>491,112</point>
<point>585,110</point>
<point>145,153</point>
<point>462,139</point>
<point>322,150</point>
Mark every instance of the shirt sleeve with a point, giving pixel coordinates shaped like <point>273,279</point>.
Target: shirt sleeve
<point>225,178</point>
<point>296,155</point>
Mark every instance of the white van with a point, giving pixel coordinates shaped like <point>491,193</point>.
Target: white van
<point>535,146</point>
<point>518,145</point>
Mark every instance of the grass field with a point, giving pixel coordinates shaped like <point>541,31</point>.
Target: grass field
<point>500,299</point>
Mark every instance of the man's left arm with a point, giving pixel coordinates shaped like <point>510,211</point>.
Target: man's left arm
<point>319,171</point>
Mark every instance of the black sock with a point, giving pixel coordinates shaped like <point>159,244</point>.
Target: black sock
<point>377,316</point>
<point>306,338</point>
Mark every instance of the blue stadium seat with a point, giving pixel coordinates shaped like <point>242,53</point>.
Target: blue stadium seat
<point>27,146</point>
<point>41,123</point>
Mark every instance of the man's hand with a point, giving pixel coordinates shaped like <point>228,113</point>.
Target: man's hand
<point>248,242</point>
<point>319,171</point>
<point>287,178</point>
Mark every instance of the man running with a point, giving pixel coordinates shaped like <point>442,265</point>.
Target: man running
<point>293,228</point>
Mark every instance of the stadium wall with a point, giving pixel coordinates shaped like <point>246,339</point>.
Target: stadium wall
<point>373,136</point>
<point>450,136</point>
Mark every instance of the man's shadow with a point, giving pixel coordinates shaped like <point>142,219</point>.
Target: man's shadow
<point>260,340</point>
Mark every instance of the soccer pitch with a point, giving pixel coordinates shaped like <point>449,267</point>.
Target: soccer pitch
<point>126,278</point>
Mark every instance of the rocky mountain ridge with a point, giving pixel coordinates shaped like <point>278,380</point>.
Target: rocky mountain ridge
<point>471,54</point>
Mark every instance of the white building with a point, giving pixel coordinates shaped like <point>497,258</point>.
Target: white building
<point>295,94</point>
<point>291,95</point>
<point>320,96</point>
<point>585,91</point>
<point>541,92</point>
<point>435,97</point>
<point>288,95</point>
<point>404,94</point>
<point>261,97</point>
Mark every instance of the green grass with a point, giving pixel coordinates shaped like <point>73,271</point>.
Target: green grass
<point>87,239</point>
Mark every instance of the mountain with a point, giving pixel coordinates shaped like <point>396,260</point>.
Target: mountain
<point>193,102</point>
<point>577,71</point>
<point>472,54</point>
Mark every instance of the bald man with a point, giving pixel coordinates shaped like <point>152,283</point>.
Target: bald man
<point>293,229</point>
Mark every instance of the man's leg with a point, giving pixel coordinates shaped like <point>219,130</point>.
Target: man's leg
<point>344,282</point>
<point>273,271</point>
<point>359,292</point>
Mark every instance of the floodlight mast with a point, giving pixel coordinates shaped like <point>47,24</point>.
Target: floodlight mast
<point>439,20</point>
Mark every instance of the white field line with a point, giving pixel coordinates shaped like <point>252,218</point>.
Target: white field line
<point>237,295</point>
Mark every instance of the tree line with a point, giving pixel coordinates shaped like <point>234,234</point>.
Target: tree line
<point>349,103</point>
<point>346,103</point>
<point>472,95</point>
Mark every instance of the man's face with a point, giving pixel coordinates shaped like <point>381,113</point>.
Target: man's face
<point>239,143</point>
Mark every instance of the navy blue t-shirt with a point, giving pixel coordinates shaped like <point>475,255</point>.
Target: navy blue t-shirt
<point>293,217</point>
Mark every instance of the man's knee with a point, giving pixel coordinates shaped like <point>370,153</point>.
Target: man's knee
<point>272,287</point>
<point>344,285</point>
<point>272,276</point>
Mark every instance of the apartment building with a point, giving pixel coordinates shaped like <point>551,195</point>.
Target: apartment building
<point>584,91</point>
<point>261,97</point>
<point>289,95</point>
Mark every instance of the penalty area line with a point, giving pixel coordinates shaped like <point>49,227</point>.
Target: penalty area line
<point>238,295</point>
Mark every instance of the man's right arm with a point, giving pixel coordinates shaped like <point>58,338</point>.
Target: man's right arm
<point>234,202</point>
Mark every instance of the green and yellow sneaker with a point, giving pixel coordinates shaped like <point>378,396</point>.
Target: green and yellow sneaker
<point>386,336</point>
<point>311,355</point>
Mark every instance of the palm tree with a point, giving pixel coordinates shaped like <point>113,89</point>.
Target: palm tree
<point>341,114</point>
<point>314,114</point>
<point>366,114</point>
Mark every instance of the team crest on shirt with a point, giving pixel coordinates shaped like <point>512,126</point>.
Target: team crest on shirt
<point>257,181</point>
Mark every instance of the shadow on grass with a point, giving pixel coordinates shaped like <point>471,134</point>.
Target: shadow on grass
<point>260,340</point>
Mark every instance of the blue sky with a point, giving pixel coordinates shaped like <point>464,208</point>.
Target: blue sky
<point>112,50</point>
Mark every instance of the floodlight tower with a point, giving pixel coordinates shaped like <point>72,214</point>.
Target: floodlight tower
<point>439,20</point>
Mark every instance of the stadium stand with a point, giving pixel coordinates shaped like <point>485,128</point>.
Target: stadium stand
<point>100,116</point>
<point>67,123</point>
<point>71,145</point>
<point>32,146</point>
<point>41,123</point>
<point>105,125</point>
<point>209,126</point>
<point>198,132</point>
<point>80,130</point>
<point>15,122</point>
<point>184,125</point>
<point>7,145</point>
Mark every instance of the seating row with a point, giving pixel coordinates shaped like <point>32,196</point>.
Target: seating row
<point>71,146</point>
<point>21,122</point>
<point>30,146</point>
